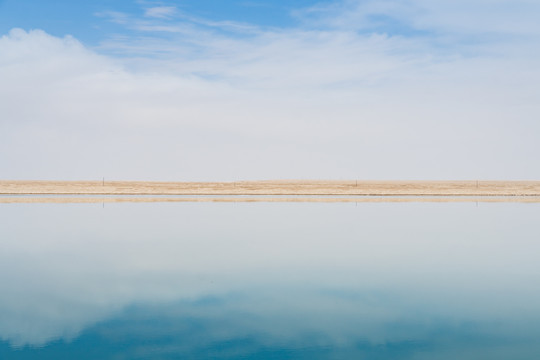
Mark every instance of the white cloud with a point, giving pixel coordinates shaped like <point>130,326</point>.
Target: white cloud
<point>115,17</point>
<point>274,103</point>
<point>447,17</point>
<point>160,11</point>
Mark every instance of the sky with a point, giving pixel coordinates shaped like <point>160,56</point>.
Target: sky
<point>246,89</point>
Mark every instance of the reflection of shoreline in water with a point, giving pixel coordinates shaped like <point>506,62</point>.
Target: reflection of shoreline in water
<point>29,199</point>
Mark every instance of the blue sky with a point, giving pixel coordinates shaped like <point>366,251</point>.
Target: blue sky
<point>82,19</point>
<point>225,90</point>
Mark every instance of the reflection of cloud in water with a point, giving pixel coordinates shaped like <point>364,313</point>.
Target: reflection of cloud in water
<point>222,328</point>
<point>270,275</point>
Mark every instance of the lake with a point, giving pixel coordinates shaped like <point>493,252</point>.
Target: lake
<point>270,280</point>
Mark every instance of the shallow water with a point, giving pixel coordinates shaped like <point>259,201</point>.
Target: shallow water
<point>270,280</point>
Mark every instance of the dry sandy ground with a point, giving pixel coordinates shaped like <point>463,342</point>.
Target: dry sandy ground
<point>353,191</point>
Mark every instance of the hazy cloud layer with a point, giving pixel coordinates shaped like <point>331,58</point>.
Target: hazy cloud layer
<point>393,90</point>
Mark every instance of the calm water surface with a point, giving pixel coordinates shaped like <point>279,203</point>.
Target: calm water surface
<point>270,281</point>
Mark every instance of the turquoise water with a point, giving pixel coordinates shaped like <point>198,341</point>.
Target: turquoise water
<point>270,281</point>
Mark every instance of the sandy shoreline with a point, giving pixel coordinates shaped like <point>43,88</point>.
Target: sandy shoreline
<point>297,190</point>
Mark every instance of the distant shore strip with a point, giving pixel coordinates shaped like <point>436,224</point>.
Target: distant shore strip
<point>30,191</point>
